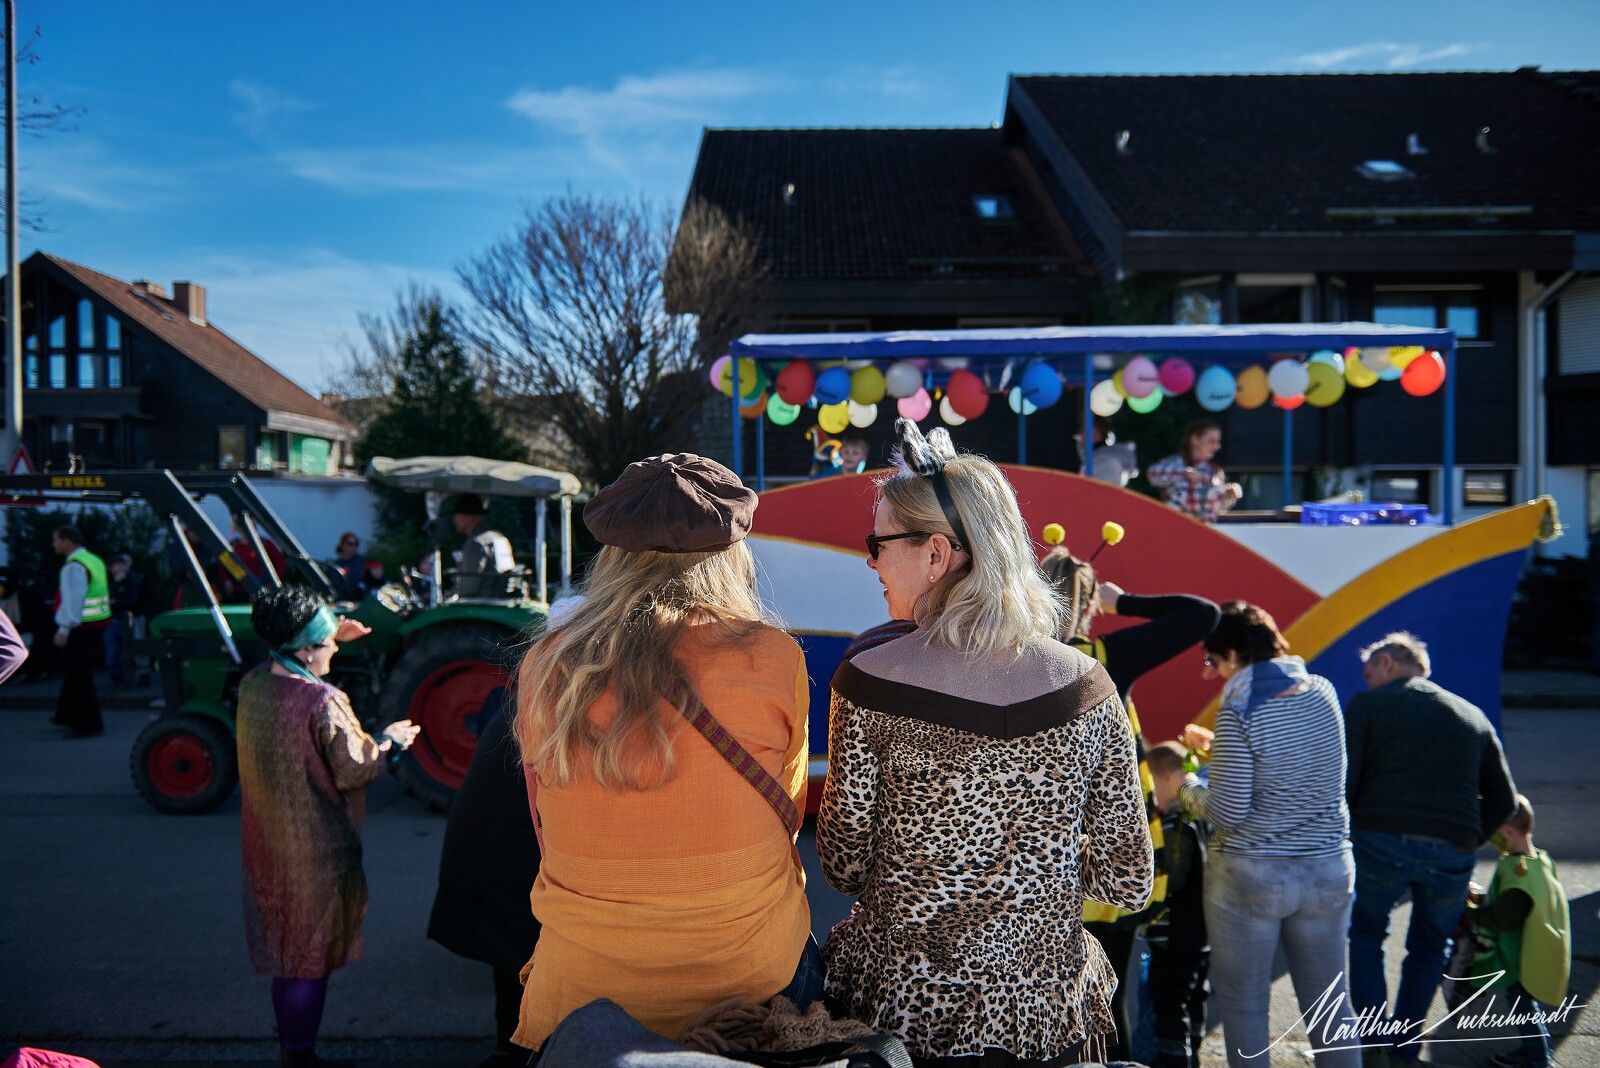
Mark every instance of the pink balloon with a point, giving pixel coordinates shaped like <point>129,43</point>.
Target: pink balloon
<point>1177,375</point>
<point>1140,378</point>
<point>915,407</point>
<point>717,367</point>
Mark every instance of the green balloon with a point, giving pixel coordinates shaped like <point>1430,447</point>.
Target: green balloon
<point>1147,403</point>
<point>781,411</point>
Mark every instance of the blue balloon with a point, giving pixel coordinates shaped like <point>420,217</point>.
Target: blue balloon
<point>1215,389</point>
<point>1041,386</point>
<point>833,386</point>
<point>1390,372</point>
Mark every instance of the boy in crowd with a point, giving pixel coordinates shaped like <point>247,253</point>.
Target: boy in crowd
<point>1525,921</point>
<point>1180,954</point>
<point>853,452</point>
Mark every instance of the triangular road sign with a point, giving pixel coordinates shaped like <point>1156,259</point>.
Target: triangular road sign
<point>21,463</point>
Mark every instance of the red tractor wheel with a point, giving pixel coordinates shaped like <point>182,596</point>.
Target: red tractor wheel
<point>185,763</point>
<point>441,684</point>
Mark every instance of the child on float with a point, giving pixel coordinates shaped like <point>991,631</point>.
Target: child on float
<point>1180,952</point>
<point>1524,920</point>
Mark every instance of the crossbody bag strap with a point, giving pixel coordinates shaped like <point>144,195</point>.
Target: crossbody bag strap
<point>696,712</point>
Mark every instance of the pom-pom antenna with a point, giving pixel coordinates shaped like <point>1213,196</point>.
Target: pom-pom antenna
<point>1054,534</point>
<point>1112,532</point>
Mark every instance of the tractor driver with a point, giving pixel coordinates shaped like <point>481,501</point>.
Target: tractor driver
<point>486,554</point>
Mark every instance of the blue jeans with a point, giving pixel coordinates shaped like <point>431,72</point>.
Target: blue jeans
<point>1254,904</point>
<point>806,986</point>
<point>115,637</point>
<point>1436,873</point>
<point>1535,1034</point>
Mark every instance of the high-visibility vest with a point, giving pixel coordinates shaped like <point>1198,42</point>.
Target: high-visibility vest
<point>1538,954</point>
<point>1099,911</point>
<point>97,599</point>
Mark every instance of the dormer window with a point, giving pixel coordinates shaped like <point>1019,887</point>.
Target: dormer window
<point>992,206</point>
<point>1383,170</point>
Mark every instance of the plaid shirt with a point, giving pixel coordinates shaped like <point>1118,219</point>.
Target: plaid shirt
<point>1204,500</point>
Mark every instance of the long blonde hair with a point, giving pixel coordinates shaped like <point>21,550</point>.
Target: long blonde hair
<point>623,638</point>
<point>997,601</point>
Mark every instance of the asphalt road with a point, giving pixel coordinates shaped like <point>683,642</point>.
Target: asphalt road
<point>121,932</point>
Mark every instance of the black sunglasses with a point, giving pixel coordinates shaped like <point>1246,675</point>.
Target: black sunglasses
<point>875,543</point>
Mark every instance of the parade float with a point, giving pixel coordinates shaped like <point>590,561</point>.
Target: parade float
<point>1341,577</point>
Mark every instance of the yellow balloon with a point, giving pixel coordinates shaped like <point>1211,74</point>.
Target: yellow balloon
<point>1116,382</point>
<point>1403,356</point>
<point>1356,372</point>
<point>834,418</point>
<point>1252,387</point>
<point>867,386</point>
<point>1325,385</point>
<point>748,373</point>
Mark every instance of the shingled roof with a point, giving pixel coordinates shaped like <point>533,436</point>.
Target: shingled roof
<point>224,358</point>
<point>1280,153</point>
<point>882,204</point>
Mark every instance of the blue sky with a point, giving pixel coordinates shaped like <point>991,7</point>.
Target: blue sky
<point>304,161</point>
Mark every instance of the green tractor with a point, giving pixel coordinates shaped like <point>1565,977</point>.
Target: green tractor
<point>433,657</point>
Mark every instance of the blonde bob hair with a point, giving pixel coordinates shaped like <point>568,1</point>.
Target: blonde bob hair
<point>997,601</point>
<point>624,638</point>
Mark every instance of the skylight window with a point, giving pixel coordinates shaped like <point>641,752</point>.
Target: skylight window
<point>1383,170</point>
<point>992,206</point>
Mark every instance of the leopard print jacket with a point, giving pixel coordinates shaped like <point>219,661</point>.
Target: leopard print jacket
<point>971,832</point>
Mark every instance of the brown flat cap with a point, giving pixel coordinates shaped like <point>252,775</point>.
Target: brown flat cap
<point>680,503</point>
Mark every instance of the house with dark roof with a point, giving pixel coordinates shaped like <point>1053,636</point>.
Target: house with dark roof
<point>121,375</point>
<point>1462,200</point>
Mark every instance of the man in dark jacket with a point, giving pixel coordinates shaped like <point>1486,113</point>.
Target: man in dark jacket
<point>1427,784</point>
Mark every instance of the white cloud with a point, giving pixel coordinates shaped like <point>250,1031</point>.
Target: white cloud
<point>262,103</point>
<point>902,82</point>
<point>420,169</point>
<point>83,170</point>
<point>295,310</point>
<point>642,101</point>
<point>1388,54</point>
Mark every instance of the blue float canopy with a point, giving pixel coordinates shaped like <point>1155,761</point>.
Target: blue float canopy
<point>1080,353</point>
<point>1223,344</point>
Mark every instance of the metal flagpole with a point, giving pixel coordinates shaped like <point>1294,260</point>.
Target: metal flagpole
<point>13,301</point>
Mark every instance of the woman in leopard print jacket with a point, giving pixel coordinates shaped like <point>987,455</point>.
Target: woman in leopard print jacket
<point>981,781</point>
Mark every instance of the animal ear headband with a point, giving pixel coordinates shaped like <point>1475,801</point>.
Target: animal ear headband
<point>927,457</point>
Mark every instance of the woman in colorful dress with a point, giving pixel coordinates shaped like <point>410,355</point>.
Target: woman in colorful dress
<point>981,781</point>
<point>303,764</point>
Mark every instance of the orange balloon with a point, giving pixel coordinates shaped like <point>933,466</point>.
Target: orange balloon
<point>755,410</point>
<point>1423,375</point>
<point>1252,387</point>
<point>1289,404</point>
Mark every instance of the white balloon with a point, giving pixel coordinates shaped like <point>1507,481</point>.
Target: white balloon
<point>948,414</point>
<point>1104,400</point>
<point>863,415</point>
<point>902,379</point>
<point>1288,378</point>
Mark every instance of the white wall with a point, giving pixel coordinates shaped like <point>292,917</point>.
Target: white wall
<point>316,510</point>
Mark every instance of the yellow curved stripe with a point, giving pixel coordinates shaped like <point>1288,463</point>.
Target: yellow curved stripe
<point>1325,622</point>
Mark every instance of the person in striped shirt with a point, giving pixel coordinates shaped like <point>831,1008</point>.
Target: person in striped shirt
<point>1280,871</point>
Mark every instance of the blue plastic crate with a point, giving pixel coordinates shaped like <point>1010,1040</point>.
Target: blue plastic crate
<point>1364,513</point>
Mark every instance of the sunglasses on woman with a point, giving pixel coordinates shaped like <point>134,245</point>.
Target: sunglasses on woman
<point>875,542</point>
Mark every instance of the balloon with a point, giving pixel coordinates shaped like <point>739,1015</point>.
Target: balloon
<point>862,415</point>
<point>833,386</point>
<point>721,379</point>
<point>1356,371</point>
<point>1288,404</point>
<point>1104,400</point>
<point>902,379</point>
<point>795,382</point>
<point>867,386</point>
<point>1329,357</point>
<point>754,388</point>
<point>1288,378</point>
<point>748,372</point>
<point>1041,386</point>
<point>949,414</point>
<point>754,409</point>
<point>1116,383</point>
<point>967,394</point>
<point>1403,356</point>
<point>834,417</point>
<point>1215,388</point>
<point>780,411</point>
<point>1376,359</point>
<point>1326,384</point>
<point>1176,374</point>
<point>1147,403</point>
<point>1390,372</point>
<point>915,407</point>
<point>1020,404</point>
<point>1423,375</point>
<point>1252,387</point>
<point>1140,377</point>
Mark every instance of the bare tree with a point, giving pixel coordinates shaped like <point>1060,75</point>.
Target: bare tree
<point>602,314</point>
<point>36,117</point>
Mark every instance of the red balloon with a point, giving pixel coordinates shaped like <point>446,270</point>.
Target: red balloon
<point>1288,404</point>
<point>1423,375</point>
<point>796,381</point>
<point>969,397</point>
